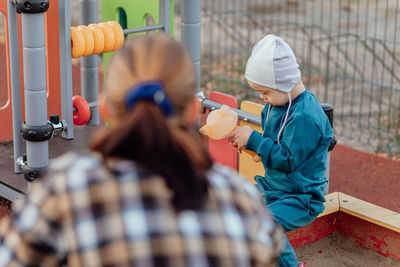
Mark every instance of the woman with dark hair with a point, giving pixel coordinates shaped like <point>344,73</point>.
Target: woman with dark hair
<point>147,194</point>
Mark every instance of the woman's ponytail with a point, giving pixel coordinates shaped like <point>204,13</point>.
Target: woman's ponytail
<point>170,151</point>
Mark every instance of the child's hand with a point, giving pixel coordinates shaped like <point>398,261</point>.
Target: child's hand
<point>239,137</point>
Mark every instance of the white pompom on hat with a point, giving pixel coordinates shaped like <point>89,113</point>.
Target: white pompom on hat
<point>273,64</point>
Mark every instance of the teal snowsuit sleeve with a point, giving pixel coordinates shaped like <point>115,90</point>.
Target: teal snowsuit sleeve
<point>300,136</point>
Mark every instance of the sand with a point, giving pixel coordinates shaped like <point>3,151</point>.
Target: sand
<point>338,251</point>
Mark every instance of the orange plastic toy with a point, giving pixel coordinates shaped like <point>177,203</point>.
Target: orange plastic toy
<point>81,114</point>
<point>77,43</point>
<point>118,34</point>
<point>89,40</point>
<point>109,40</point>
<point>221,122</point>
<point>96,38</point>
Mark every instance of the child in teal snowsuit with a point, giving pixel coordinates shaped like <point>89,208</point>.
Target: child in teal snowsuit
<point>294,144</point>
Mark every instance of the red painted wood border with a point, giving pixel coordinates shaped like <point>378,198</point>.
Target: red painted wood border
<point>369,235</point>
<point>366,234</point>
<point>318,229</point>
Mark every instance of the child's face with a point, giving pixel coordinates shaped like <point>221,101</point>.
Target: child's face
<point>269,95</point>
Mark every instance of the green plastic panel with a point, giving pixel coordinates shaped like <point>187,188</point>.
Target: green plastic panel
<point>131,14</point>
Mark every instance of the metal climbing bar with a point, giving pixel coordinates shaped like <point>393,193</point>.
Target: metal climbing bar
<point>15,83</point>
<point>164,15</point>
<point>190,31</point>
<point>89,64</point>
<point>144,29</point>
<point>66,68</point>
<point>209,104</point>
<point>35,86</point>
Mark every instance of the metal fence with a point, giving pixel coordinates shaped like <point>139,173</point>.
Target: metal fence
<point>348,51</point>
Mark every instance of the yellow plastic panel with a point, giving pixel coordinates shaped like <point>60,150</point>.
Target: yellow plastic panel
<point>247,166</point>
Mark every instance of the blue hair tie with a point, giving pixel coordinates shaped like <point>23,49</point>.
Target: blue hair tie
<point>152,91</point>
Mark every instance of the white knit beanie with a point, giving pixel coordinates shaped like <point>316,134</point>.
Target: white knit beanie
<point>273,64</point>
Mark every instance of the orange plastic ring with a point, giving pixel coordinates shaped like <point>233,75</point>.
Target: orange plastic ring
<point>118,34</point>
<point>98,37</point>
<point>81,115</point>
<point>89,40</point>
<point>108,33</point>
<point>77,43</point>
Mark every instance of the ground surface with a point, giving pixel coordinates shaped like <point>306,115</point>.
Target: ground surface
<point>338,251</point>
<point>365,176</point>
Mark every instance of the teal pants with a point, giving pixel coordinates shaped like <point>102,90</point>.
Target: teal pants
<point>291,212</point>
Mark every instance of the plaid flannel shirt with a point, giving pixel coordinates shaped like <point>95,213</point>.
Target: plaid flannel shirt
<point>88,213</point>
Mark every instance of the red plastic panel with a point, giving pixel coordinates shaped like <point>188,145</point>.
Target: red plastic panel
<point>221,151</point>
<point>52,63</point>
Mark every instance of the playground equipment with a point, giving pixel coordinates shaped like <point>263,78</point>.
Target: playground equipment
<point>131,15</point>
<point>37,130</point>
<point>38,31</point>
<point>96,38</point>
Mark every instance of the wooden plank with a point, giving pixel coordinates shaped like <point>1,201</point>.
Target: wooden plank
<point>331,204</point>
<point>247,166</point>
<point>370,212</point>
